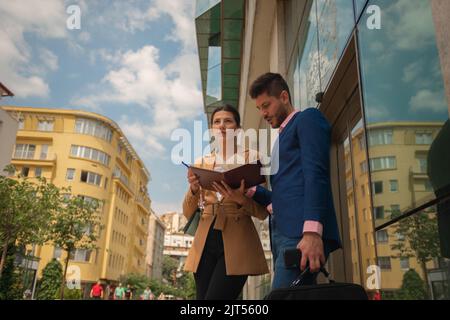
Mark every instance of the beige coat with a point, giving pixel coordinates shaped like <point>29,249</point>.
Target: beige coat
<point>244,254</point>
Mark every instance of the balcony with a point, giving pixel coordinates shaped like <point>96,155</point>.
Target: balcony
<point>43,159</point>
<point>144,202</point>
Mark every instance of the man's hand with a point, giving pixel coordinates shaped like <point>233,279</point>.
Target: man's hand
<point>311,247</point>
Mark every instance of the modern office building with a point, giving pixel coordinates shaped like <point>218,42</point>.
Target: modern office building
<point>379,72</point>
<point>90,154</point>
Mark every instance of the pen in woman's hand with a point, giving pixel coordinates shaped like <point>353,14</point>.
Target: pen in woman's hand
<point>187,166</point>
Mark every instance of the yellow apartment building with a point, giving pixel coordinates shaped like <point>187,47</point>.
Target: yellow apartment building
<point>398,160</point>
<point>89,153</point>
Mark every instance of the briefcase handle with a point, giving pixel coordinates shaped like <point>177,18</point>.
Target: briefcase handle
<point>307,270</point>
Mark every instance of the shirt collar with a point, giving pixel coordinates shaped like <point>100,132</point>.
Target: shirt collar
<point>289,118</point>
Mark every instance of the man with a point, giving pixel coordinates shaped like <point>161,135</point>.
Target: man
<point>301,199</point>
<point>97,291</point>
<point>119,293</point>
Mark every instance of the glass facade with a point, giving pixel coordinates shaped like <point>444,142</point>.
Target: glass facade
<point>393,178</point>
<point>219,26</point>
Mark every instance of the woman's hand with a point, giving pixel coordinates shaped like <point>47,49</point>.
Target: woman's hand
<point>235,195</point>
<point>193,182</point>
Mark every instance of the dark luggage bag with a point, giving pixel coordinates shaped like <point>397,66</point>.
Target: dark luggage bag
<point>330,291</point>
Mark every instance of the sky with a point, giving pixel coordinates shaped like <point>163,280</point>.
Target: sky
<point>133,61</point>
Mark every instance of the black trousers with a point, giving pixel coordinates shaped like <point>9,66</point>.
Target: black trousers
<point>211,280</point>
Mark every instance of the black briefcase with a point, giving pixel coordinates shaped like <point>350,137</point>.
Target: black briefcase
<point>329,291</point>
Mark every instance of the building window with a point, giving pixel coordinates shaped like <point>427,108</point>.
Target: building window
<point>57,253</point>
<point>106,183</point>
<point>91,178</point>
<point>38,172</point>
<point>363,166</point>
<point>24,151</point>
<point>70,175</point>
<point>423,163</point>
<point>425,138</point>
<point>25,171</point>
<point>93,128</point>
<point>21,123</point>
<point>377,187</point>
<point>44,152</point>
<point>385,163</point>
<point>428,186</point>
<point>363,191</point>
<point>380,137</point>
<point>365,214</point>
<point>384,263</point>
<point>382,236</point>
<point>90,154</point>
<point>395,210</point>
<point>81,255</point>
<point>379,213</point>
<point>45,125</point>
<point>404,263</point>
<point>393,185</point>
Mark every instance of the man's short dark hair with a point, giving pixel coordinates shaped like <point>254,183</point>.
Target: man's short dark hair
<point>271,83</point>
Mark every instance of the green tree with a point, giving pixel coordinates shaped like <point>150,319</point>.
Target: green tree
<point>138,283</point>
<point>25,211</point>
<point>51,277</point>
<point>418,238</point>
<point>10,283</point>
<point>413,287</point>
<point>75,225</point>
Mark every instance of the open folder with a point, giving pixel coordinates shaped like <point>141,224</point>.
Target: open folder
<point>251,173</point>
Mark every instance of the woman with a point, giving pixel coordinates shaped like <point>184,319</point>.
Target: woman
<point>226,247</point>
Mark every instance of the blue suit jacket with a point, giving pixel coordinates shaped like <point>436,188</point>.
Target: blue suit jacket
<point>301,188</point>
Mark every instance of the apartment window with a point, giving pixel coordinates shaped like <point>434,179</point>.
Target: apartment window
<point>24,151</point>
<point>44,152</point>
<point>366,236</point>
<point>57,253</point>
<point>385,163</point>
<point>93,128</point>
<point>38,172</point>
<point>423,163</point>
<point>428,186</point>
<point>365,214</point>
<point>395,210</point>
<point>404,263</point>
<point>425,138</point>
<point>377,187</point>
<point>384,263</point>
<point>45,125</point>
<point>81,255</point>
<point>393,185</point>
<point>21,124</point>
<point>363,191</point>
<point>25,171</point>
<point>70,175</point>
<point>362,143</point>
<point>91,178</point>
<point>90,154</point>
<point>363,166</point>
<point>379,213</point>
<point>106,183</point>
<point>128,159</point>
<point>382,236</point>
<point>380,137</point>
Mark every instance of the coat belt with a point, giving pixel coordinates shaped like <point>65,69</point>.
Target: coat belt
<point>220,211</point>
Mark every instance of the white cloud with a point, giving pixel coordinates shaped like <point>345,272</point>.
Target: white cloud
<point>414,27</point>
<point>45,19</point>
<point>49,59</point>
<point>428,101</point>
<point>166,95</point>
